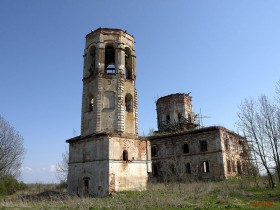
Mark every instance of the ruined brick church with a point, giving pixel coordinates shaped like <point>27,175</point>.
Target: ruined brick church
<point>109,155</point>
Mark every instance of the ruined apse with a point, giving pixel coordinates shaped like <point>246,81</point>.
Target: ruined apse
<point>108,156</point>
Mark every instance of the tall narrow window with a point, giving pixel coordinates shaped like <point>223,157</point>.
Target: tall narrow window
<point>86,186</point>
<point>205,167</point>
<point>227,144</point>
<point>125,155</point>
<point>128,64</point>
<point>128,102</point>
<point>167,119</point>
<point>91,60</point>
<point>186,148</point>
<point>155,171</point>
<point>189,118</point>
<point>90,103</point>
<point>203,146</point>
<point>110,60</point>
<point>188,168</point>
<point>228,166</point>
<point>233,166</point>
<point>154,151</point>
<point>239,171</point>
<point>241,146</point>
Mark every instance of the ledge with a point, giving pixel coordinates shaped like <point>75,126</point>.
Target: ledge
<point>120,135</point>
<point>194,131</point>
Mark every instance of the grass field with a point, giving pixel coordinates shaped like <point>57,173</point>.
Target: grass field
<point>230,194</point>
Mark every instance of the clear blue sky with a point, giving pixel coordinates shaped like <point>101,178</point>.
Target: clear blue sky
<point>220,51</point>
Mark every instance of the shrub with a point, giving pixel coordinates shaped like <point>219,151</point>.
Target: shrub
<point>9,185</point>
<point>3,190</point>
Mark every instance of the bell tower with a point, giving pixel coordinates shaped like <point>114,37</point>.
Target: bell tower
<point>108,156</point>
<point>109,101</point>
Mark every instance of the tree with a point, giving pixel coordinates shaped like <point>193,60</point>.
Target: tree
<point>62,168</point>
<point>11,150</point>
<point>260,121</point>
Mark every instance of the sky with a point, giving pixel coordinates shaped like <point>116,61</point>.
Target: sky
<point>220,51</point>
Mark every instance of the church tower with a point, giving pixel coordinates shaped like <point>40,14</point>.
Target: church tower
<point>109,95</point>
<point>108,155</point>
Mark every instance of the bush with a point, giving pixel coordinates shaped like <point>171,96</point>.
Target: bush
<point>9,185</point>
<point>3,190</point>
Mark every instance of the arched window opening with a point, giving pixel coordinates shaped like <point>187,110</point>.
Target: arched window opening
<point>205,167</point>
<point>154,151</point>
<point>110,60</point>
<point>125,155</point>
<point>128,64</point>
<point>128,102</point>
<point>186,148</point>
<point>91,60</point>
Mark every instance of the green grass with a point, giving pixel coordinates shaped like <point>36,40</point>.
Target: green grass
<point>230,194</point>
